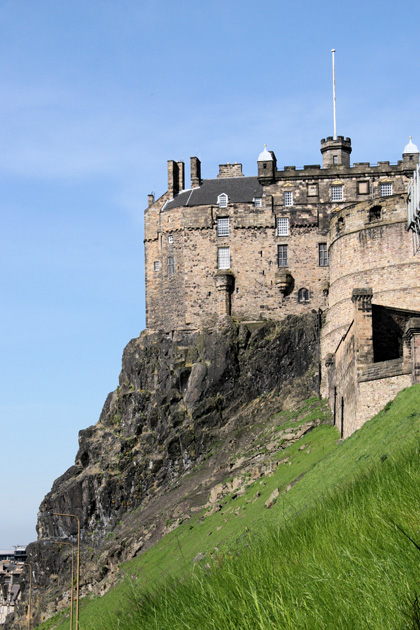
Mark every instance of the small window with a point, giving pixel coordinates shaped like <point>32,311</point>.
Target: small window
<point>385,190</point>
<point>282,255</point>
<point>335,159</point>
<point>170,239</point>
<point>312,190</point>
<point>340,225</point>
<point>282,226</point>
<point>288,198</point>
<point>303,296</point>
<point>337,193</point>
<point>323,254</point>
<point>171,265</point>
<point>223,226</point>
<point>156,265</point>
<point>223,258</point>
<point>222,200</point>
<point>257,202</point>
<point>363,188</point>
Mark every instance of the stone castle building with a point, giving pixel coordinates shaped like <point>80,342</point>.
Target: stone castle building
<point>333,238</point>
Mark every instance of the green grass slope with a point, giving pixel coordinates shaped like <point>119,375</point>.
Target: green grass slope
<point>336,550</point>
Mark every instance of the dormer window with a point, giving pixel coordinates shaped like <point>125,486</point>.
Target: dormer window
<point>222,200</point>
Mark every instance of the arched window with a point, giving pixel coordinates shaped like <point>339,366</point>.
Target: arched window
<point>222,200</point>
<point>303,296</point>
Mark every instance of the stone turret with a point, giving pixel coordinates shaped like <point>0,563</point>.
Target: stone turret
<point>335,152</point>
<point>410,154</point>
<point>267,164</point>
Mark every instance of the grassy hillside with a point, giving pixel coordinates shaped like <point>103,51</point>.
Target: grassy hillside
<point>336,550</point>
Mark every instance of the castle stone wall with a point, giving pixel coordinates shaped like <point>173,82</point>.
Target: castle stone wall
<point>365,252</point>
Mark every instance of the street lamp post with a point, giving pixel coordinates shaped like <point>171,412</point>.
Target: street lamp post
<point>62,542</point>
<point>78,557</point>
<point>29,564</point>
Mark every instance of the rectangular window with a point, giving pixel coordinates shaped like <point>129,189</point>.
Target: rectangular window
<point>282,255</point>
<point>385,190</point>
<point>171,265</point>
<point>257,202</point>
<point>156,265</point>
<point>323,255</point>
<point>336,193</point>
<point>223,258</point>
<point>223,226</point>
<point>312,190</point>
<point>170,239</point>
<point>282,226</point>
<point>363,188</point>
<point>288,198</point>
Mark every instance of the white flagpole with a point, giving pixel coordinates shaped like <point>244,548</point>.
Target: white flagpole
<point>333,69</point>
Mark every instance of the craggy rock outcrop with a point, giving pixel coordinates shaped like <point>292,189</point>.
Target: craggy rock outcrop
<point>174,398</point>
<point>171,399</point>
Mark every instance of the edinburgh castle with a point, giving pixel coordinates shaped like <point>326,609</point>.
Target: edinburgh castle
<point>334,239</point>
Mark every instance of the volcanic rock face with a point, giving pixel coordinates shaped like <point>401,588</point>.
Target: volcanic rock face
<point>172,397</point>
<point>175,399</point>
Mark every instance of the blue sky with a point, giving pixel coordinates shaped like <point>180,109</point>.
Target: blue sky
<point>95,97</point>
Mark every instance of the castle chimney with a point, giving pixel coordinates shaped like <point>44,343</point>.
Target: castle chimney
<point>172,178</point>
<point>195,172</point>
<point>150,199</point>
<point>230,170</point>
<point>175,177</point>
<point>335,152</point>
<point>181,176</point>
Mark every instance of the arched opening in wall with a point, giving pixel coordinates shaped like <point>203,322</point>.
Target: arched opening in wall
<point>340,225</point>
<point>375,213</point>
<point>342,418</point>
<point>303,296</point>
<point>388,327</point>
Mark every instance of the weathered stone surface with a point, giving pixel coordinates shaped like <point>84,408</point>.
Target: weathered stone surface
<point>175,400</point>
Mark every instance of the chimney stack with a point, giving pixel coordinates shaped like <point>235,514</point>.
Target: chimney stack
<point>175,177</point>
<point>195,172</point>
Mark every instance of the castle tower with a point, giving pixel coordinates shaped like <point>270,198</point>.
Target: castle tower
<point>335,152</point>
<point>266,166</point>
<point>410,154</point>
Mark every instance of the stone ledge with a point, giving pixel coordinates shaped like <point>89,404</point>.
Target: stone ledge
<point>383,369</point>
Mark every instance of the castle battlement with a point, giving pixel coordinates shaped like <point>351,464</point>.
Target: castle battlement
<point>284,241</point>
<point>261,229</point>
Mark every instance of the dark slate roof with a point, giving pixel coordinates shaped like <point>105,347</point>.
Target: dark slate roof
<point>238,189</point>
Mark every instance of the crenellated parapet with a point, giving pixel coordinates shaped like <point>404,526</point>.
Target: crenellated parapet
<point>273,231</point>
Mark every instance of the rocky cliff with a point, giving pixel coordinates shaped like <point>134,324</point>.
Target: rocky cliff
<point>165,436</point>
